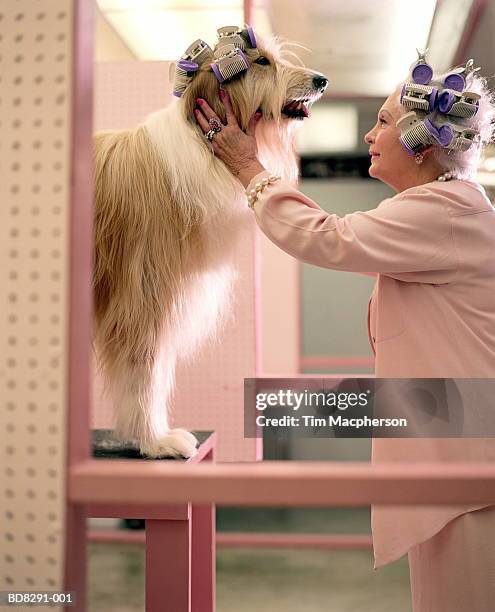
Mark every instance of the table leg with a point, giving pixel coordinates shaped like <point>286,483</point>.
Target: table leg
<point>203,558</point>
<point>168,565</point>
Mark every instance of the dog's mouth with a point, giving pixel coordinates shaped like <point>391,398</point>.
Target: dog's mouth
<point>297,109</point>
<point>300,107</point>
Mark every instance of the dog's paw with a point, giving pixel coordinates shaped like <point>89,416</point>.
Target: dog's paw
<point>176,443</point>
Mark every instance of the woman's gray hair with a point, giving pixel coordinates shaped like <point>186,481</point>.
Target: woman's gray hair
<point>464,164</point>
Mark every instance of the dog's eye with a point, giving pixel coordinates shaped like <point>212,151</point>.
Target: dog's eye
<point>264,61</point>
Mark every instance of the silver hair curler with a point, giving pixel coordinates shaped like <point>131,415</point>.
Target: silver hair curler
<point>418,132</point>
<point>463,138</point>
<point>422,97</point>
<point>465,104</point>
<point>229,62</point>
<point>197,52</point>
<point>414,133</point>
<point>232,35</point>
<point>184,70</point>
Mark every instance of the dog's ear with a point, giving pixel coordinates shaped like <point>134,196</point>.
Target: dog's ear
<point>204,85</point>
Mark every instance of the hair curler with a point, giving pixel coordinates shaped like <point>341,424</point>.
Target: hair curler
<point>422,72</point>
<point>455,80</point>
<point>230,35</point>
<point>418,96</point>
<point>197,52</point>
<point>442,134</point>
<point>414,133</point>
<point>463,138</point>
<point>248,35</point>
<point>184,71</point>
<point>418,132</point>
<point>229,62</point>
<point>465,104</point>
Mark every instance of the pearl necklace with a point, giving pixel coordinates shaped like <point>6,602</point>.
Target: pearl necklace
<point>446,176</point>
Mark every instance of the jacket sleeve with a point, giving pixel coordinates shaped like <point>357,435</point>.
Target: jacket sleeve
<point>408,237</point>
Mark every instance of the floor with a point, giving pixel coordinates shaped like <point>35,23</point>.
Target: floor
<point>268,580</point>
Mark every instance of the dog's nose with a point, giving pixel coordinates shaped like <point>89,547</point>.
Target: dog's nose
<point>320,82</point>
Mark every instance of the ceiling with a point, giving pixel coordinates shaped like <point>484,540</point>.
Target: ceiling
<point>364,47</point>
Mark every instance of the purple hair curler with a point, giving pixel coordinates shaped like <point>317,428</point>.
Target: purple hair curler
<point>422,73</point>
<point>464,105</point>
<point>455,81</point>
<point>184,71</point>
<point>230,61</point>
<point>445,101</point>
<point>422,97</point>
<point>443,135</point>
<point>250,34</point>
<point>187,66</point>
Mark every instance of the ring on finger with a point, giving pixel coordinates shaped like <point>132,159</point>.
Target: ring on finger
<point>209,135</point>
<point>215,124</point>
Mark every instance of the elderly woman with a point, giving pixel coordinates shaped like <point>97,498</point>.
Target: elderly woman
<point>432,311</point>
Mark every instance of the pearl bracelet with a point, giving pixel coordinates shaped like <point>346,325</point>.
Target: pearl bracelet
<point>253,194</point>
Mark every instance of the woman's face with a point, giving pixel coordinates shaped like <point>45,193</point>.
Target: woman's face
<point>390,161</point>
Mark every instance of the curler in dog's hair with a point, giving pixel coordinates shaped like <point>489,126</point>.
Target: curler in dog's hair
<point>184,71</point>
<point>465,104</point>
<point>197,52</point>
<point>230,35</point>
<point>229,62</point>
<point>248,35</point>
<point>418,96</point>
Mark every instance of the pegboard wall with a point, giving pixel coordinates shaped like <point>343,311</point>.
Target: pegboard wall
<point>35,102</point>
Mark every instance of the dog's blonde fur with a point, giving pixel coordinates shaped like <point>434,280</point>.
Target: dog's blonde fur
<point>167,216</point>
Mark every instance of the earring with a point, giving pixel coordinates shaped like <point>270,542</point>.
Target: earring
<point>418,158</point>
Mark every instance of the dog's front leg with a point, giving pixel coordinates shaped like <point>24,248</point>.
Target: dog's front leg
<point>142,408</point>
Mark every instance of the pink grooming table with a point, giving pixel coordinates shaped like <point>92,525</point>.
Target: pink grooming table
<point>180,538</point>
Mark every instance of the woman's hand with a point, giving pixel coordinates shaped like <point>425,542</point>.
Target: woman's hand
<point>237,149</point>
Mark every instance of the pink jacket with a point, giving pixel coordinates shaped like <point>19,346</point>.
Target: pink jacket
<point>431,313</point>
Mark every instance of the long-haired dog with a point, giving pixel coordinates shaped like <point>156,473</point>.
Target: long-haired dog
<point>167,214</point>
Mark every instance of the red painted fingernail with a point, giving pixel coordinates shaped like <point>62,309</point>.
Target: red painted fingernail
<point>257,115</point>
<point>222,94</point>
<point>200,101</point>
<point>196,112</point>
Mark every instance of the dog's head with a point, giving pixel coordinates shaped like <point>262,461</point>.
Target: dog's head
<point>275,83</point>
<point>279,88</point>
